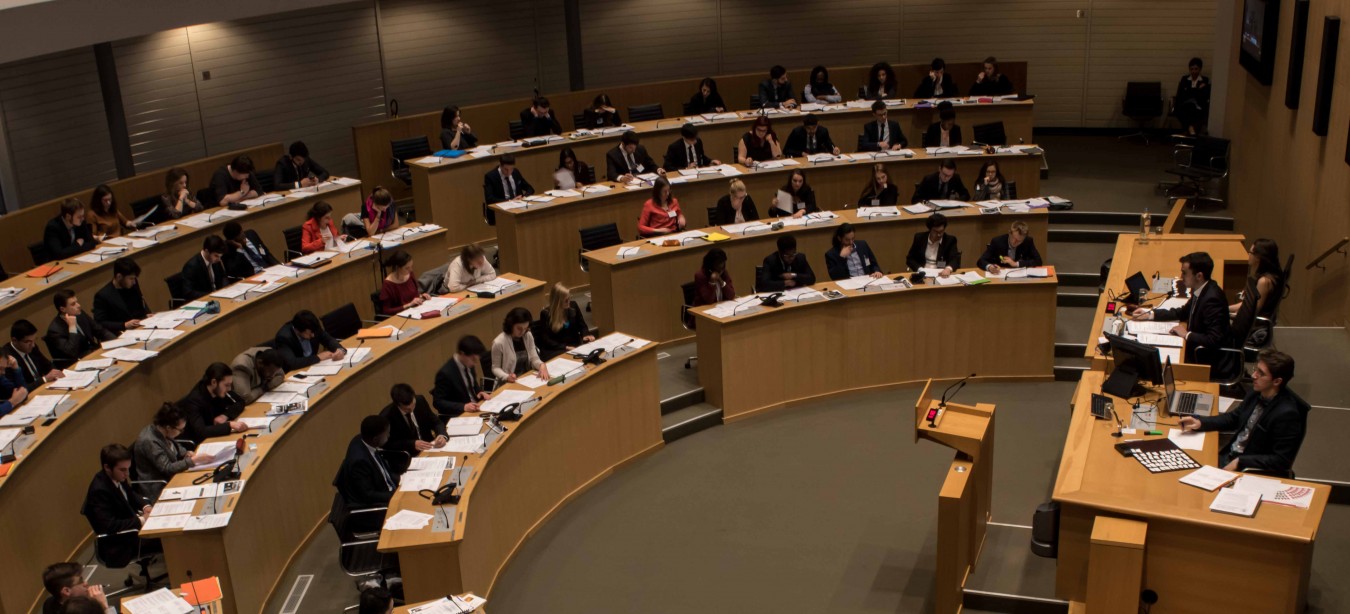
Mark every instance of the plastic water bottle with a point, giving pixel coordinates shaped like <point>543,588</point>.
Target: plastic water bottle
<point>1144,226</point>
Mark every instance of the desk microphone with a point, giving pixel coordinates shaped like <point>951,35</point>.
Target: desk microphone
<point>196,607</point>
<point>1119,426</point>
<point>958,386</point>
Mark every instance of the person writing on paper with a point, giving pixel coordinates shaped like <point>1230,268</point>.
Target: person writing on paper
<point>661,213</point>
<point>879,191</point>
<point>881,82</point>
<point>177,199</point>
<point>120,306</point>
<point>365,479</point>
<point>469,268</point>
<point>1203,320</point>
<point>601,113</point>
<point>303,342</point>
<point>378,214</point>
<point>945,184</point>
<point>687,151</point>
<point>561,325</point>
<point>235,182</point>
<point>211,407</point>
<point>245,253</point>
<point>776,91</point>
<point>513,351</point>
<point>68,234</point>
<point>455,132</point>
<point>945,132</point>
<point>712,281</point>
<point>505,182</point>
<point>457,389</point>
<point>399,290</point>
<point>1192,104</point>
<point>571,172</point>
<point>35,369</point>
<point>65,584</point>
<point>706,100</point>
<point>629,159</point>
<point>1013,250</point>
<point>297,170</point>
<point>991,185</point>
<point>934,248</point>
<point>736,206</point>
<point>73,334</point>
<point>13,388</point>
<point>413,427</point>
<point>991,82</point>
<point>759,144</point>
<point>106,219</point>
<point>820,90</point>
<point>1263,258</point>
<point>318,233</point>
<point>849,257</point>
<point>809,138</point>
<point>256,371</point>
<point>795,198</point>
<point>204,272</point>
<point>883,132</point>
<point>938,84</point>
<point>538,119</point>
<point>158,455</point>
<point>115,509</point>
<point>1270,422</point>
<point>785,269</point>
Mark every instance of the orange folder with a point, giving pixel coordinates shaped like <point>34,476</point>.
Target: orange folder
<point>383,332</point>
<point>46,270</point>
<point>202,591</point>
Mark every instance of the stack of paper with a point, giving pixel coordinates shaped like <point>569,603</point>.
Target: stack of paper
<point>1238,503</point>
<point>500,284</point>
<point>257,423</point>
<point>427,462</point>
<point>94,364</point>
<point>891,211</point>
<point>418,480</point>
<point>160,523</point>
<point>628,252</point>
<point>345,181</point>
<point>596,189</point>
<point>151,232</point>
<point>948,204</point>
<point>437,304</point>
<point>314,258</point>
<point>465,445</point>
<point>746,228</point>
<point>855,283</point>
<point>503,398</point>
<point>75,380</point>
<point>209,521</point>
<point>609,343</point>
<point>462,426</point>
<point>196,221</point>
<point>233,291</point>
<point>1172,341</point>
<point>1208,478</point>
<point>971,278</point>
<point>130,354</point>
<point>168,508</point>
<point>7,436</point>
<point>130,242</point>
<point>162,601</point>
<point>732,308</point>
<point>263,200</point>
<point>219,451</point>
<point>406,520</point>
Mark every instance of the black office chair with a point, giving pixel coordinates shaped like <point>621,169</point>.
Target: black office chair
<point>713,218</point>
<point>687,317</point>
<point>587,175</point>
<point>489,215</point>
<point>991,133</point>
<point>177,296</point>
<point>294,237</point>
<point>865,145</point>
<point>687,109</point>
<point>358,532</point>
<point>597,237</point>
<point>402,150</point>
<point>146,205</point>
<point>378,306</point>
<point>1143,103</point>
<point>759,272</point>
<point>646,112</point>
<point>1204,160</point>
<point>206,197</point>
<point>516,129</point>
<point>343,322</point>
<point>267,182</point>
<point>3,275</point>
<point>754,101</point>
<point>39,253</point>
<point>862,92</point>
<point>579,121</point>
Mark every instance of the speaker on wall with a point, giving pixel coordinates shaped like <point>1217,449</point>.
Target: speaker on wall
<point>1326,75</point>
<point>1297,45</point>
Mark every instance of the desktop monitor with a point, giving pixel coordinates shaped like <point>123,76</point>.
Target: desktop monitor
<point>1134,361</point>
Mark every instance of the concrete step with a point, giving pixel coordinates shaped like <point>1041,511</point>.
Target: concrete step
<point>682,400</point>
<point>689,420</point>
<point>1070,350</point>
<point>1070,369</point>
<point>1076,297</point>
<point>1077,280</point>
<point>1009,578</point>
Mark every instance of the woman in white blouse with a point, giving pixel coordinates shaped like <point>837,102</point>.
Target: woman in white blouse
<point>513,351</point>
<point>468,268</point>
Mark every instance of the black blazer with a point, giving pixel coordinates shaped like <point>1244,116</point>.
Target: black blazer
<point>1274,442</point>
<point>359,480</point>
<point>57,239</point>
<point>947,251</point>
<point>931,189</point>
<point>698,104</point>
<point>540,126</point>
<point>998,86</point>
<point>287,343</point>
<point>795,146</point>
<point>197,282</point>
<point>808,197</point>
<point>551,344</point>
<point>933,136</point>
<point>1206,318</point>
<point>889,195</point>
<point>237,264</point>
<point>837,266</point>
<point>285,175</point>
<point>449,395</point>
<point>617,166</point>
<point>31,378</point>
<point>927,86</point>
<point>1025,254</point>
<point>494,192</point>
<point>595,119</point>
<point>1196,97</point>
<point>68,347</point>
<point>110,512</point>
<point>727,215</point>
<point>771,94</point>
<point>200,410</point>
<point>771,273</point>
<point>401,434</point>
<point>895,136</point>
<point>677,158</point>
<point>467,140</point>
<point>114,307</point>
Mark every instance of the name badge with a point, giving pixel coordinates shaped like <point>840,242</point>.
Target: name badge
<point>639,168</point>
<point>671,213</point>
<point>876,202</point>
<point>867,261</point>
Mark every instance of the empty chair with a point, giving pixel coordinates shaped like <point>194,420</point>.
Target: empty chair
<point>866,145</point>
<point>754,101</point>
<point>207,198</point>
<point>579,121</point>
<point>294,241</point>
<point>1143,103</point>
<point>343,322</point>
<point>402,150</point>
<point>990,134</point>
<point>1196,164</point>
<point>687,109</point>
<point>713,218</point>
<point>597,237</point>
<point>587,175</point>
<point>516,129</point>
<point>177,297</point>
<point>266,181</point>
<point>358,532</point>
<point>39,253</point>
<point>146,205</point>
<point>646,112</point>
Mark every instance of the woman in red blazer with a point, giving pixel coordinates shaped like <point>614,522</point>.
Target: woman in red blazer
<point>318,233</point>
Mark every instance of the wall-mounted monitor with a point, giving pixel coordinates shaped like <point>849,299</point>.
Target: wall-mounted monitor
<point>1256,45</point>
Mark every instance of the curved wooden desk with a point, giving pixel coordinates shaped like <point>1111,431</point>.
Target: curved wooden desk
<point>288,490</point>
<point>46,485</point>
<point>577,435</point>
<point>642,294</point>
<point>772,357</point>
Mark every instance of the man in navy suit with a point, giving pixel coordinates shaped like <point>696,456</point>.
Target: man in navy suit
<point>850,257</point>
<point>934,248</point>
<point>505,182</point>
<point>1203,320</point>
<point>365,479</point>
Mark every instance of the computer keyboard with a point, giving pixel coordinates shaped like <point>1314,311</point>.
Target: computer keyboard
<point>1185,404</point>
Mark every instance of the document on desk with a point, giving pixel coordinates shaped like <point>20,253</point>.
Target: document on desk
<point>1167,341</point>
<point>141,335</point>
<point>159,523</point>
<point>855,283</point>
<point>257,423</point>
<point>162,601</point>
<point>233,291</point>
<point>93,364</point>
<point>196,221</point>
<point>498,284</point>
<point>434,463</point>
<point>129,354</point>
<point>437,304</point>
<point>170,508</point>
<point>563,193</point>
<point>746,228</point>
<point>465,445</point>
<point>1236,502</point>
<point>406,520</point>
<point>1208,478</point>
<point>7,436</point>
<point>423,479</point>
<point>917,209</point>
<point>76,380</point>
<point>153,231</point>
<point>878,211</point>
<point>950,280</point>
<point>503,398</point>
<point>130,242</point>
<point>948,204</point>
<point>462,426</point>
<point>563,366</point>
<point>1192,440</point>
<point>1173,354</point>
<point>971,278</point>
<point>208,521</point>
<point>608,343</point>
<point>219,452</point>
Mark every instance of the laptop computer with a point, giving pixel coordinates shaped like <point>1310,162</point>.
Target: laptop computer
<point>1180,403</point>
<point>1137,288</point>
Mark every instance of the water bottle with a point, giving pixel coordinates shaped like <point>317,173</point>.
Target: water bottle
<point>1144,226</point>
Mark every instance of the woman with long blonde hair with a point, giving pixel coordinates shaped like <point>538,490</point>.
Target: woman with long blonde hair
<point>563,326</point>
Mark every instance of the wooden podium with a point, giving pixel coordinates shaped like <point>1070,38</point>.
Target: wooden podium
<point>963,503</point>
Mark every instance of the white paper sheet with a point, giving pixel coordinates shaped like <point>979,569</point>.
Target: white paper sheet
<point>1193,440</point>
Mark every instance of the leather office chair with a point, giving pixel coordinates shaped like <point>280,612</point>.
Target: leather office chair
<point>1202,160</point>
<point>39,253</point>
<point>687,318</point>
<point>754,101</point>
<point>597,237</point>
<point>588,175</point>
<point>866,145</point>
<point>343,322</point>
<point>402,150</point>
<point>579,121</point>
<point>294,237</point>
<point>1143,103</point>
<point>713,218</point>
<point>759,272</point>
<point>144,206</point>
<point>206,197</point>
<point>646,112</point>
<point>358,532</point>
<point>267,182</point>
<point>516,129</point>
<point>687,109</point>
<point>991,133</point>
<point>177,298</point>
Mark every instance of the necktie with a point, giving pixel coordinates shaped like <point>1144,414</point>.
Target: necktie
<point>811,143</point>
<point>692,161</point>
<point>473,382</point>
<point>506,184</point>
<point>412,423</point>
<point>882,130</point>
<point>631,165</point>
<point>253,255</point>
<point>210,272</point>
<point>384,471</point>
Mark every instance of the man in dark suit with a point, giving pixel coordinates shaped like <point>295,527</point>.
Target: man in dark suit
<point>365,479</point>
<point>1203,320</point>
<point>23,348</point>
<point>72,333</point>
<point>413,427</point>
<point>303,342</point>
<point>687,151</point>
<point>67,234</point>
<point>204,273</point>
<point>945,126</point>
<point>776,91</point>
<point>785,269</point>
<point>850,257</point>
<point>934,248</point>
<point>538,119</point>
<point>457,388</point>
<point>505,182</point>
<point>120,305</point>
<point>245,253</point>
<point>809,138</point>
<point>1013,250</point>
<point>297,170</point>
<point>115,509</point>
<point>945,184</point>
<point>211,408</point>
<point>65,583</point>
<point>629,159</point>
<point>938,84</point>
<point>234,182</point>
<point>13,388</point>
<point>885,133</point>
<point>1270,422</point>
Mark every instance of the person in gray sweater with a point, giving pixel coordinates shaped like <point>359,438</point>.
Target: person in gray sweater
<point>157,456</point>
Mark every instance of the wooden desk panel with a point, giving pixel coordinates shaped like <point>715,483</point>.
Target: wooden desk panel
<point>875,339</point>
